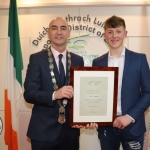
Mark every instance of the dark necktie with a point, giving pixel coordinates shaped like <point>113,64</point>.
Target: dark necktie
<point>61,70</point>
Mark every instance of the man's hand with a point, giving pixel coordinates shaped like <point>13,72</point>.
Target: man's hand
<point>92,126</point>
<point>77,126</point>
<point>64,92</point>
<point>122,122</point>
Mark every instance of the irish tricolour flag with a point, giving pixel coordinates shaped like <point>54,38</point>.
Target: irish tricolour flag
<point>13,89</point>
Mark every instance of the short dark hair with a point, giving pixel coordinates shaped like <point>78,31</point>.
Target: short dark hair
<point>114,22</point>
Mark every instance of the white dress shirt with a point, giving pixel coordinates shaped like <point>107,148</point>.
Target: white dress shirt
<point>118,62</point>
<point>56,57</point>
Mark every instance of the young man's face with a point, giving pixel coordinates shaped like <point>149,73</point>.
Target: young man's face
<point>58,32</point>
<point>115,37</point>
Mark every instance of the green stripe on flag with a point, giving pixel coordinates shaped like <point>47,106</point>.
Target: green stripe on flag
<point>13,33</point>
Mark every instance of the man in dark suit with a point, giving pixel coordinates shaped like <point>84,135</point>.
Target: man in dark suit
<point>47,87</point>
<point>133,90</point>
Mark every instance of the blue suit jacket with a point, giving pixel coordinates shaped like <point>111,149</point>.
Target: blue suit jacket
<point>38,87</point>
<point>135,92</point>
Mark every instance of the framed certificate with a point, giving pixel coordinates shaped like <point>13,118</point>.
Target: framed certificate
<point>95,95</point>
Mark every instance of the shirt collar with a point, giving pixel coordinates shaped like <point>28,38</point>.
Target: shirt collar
<point>56,53</point>
<point>122,54</point>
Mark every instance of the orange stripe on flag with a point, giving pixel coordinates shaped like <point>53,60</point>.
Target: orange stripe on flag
<point>14,140</point>
<point>10,136</point>
<point>7,119</point>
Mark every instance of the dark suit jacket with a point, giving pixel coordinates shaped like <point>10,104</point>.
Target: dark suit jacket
<point>135,92</point>
<point>38,87</point>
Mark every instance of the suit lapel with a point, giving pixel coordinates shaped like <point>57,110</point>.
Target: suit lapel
<point>126,63</point>
<point>105,60</point>
<point>67,71</point>
<point>56,72</point>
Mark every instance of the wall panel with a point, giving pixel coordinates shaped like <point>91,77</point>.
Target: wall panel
<point>23,121</point>
<point>3,45</point>
<point>32,23</point>
<point>141,45</point>
<point>4,23</point>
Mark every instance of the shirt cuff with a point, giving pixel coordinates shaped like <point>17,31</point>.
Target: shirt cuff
<point>133,121</point>
<point>53,98</point>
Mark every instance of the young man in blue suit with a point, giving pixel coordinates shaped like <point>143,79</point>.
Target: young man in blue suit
<point>47,87</point>
<point>133,90</point>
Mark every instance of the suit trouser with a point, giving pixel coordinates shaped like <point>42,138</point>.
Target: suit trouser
<point>68,144</point>
<point>110,139</point>
<point>62,142</point>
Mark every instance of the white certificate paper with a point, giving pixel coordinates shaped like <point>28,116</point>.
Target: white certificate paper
<point>93,98</point>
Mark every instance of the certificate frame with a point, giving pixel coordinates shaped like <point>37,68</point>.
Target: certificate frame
<point>84,110</point>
